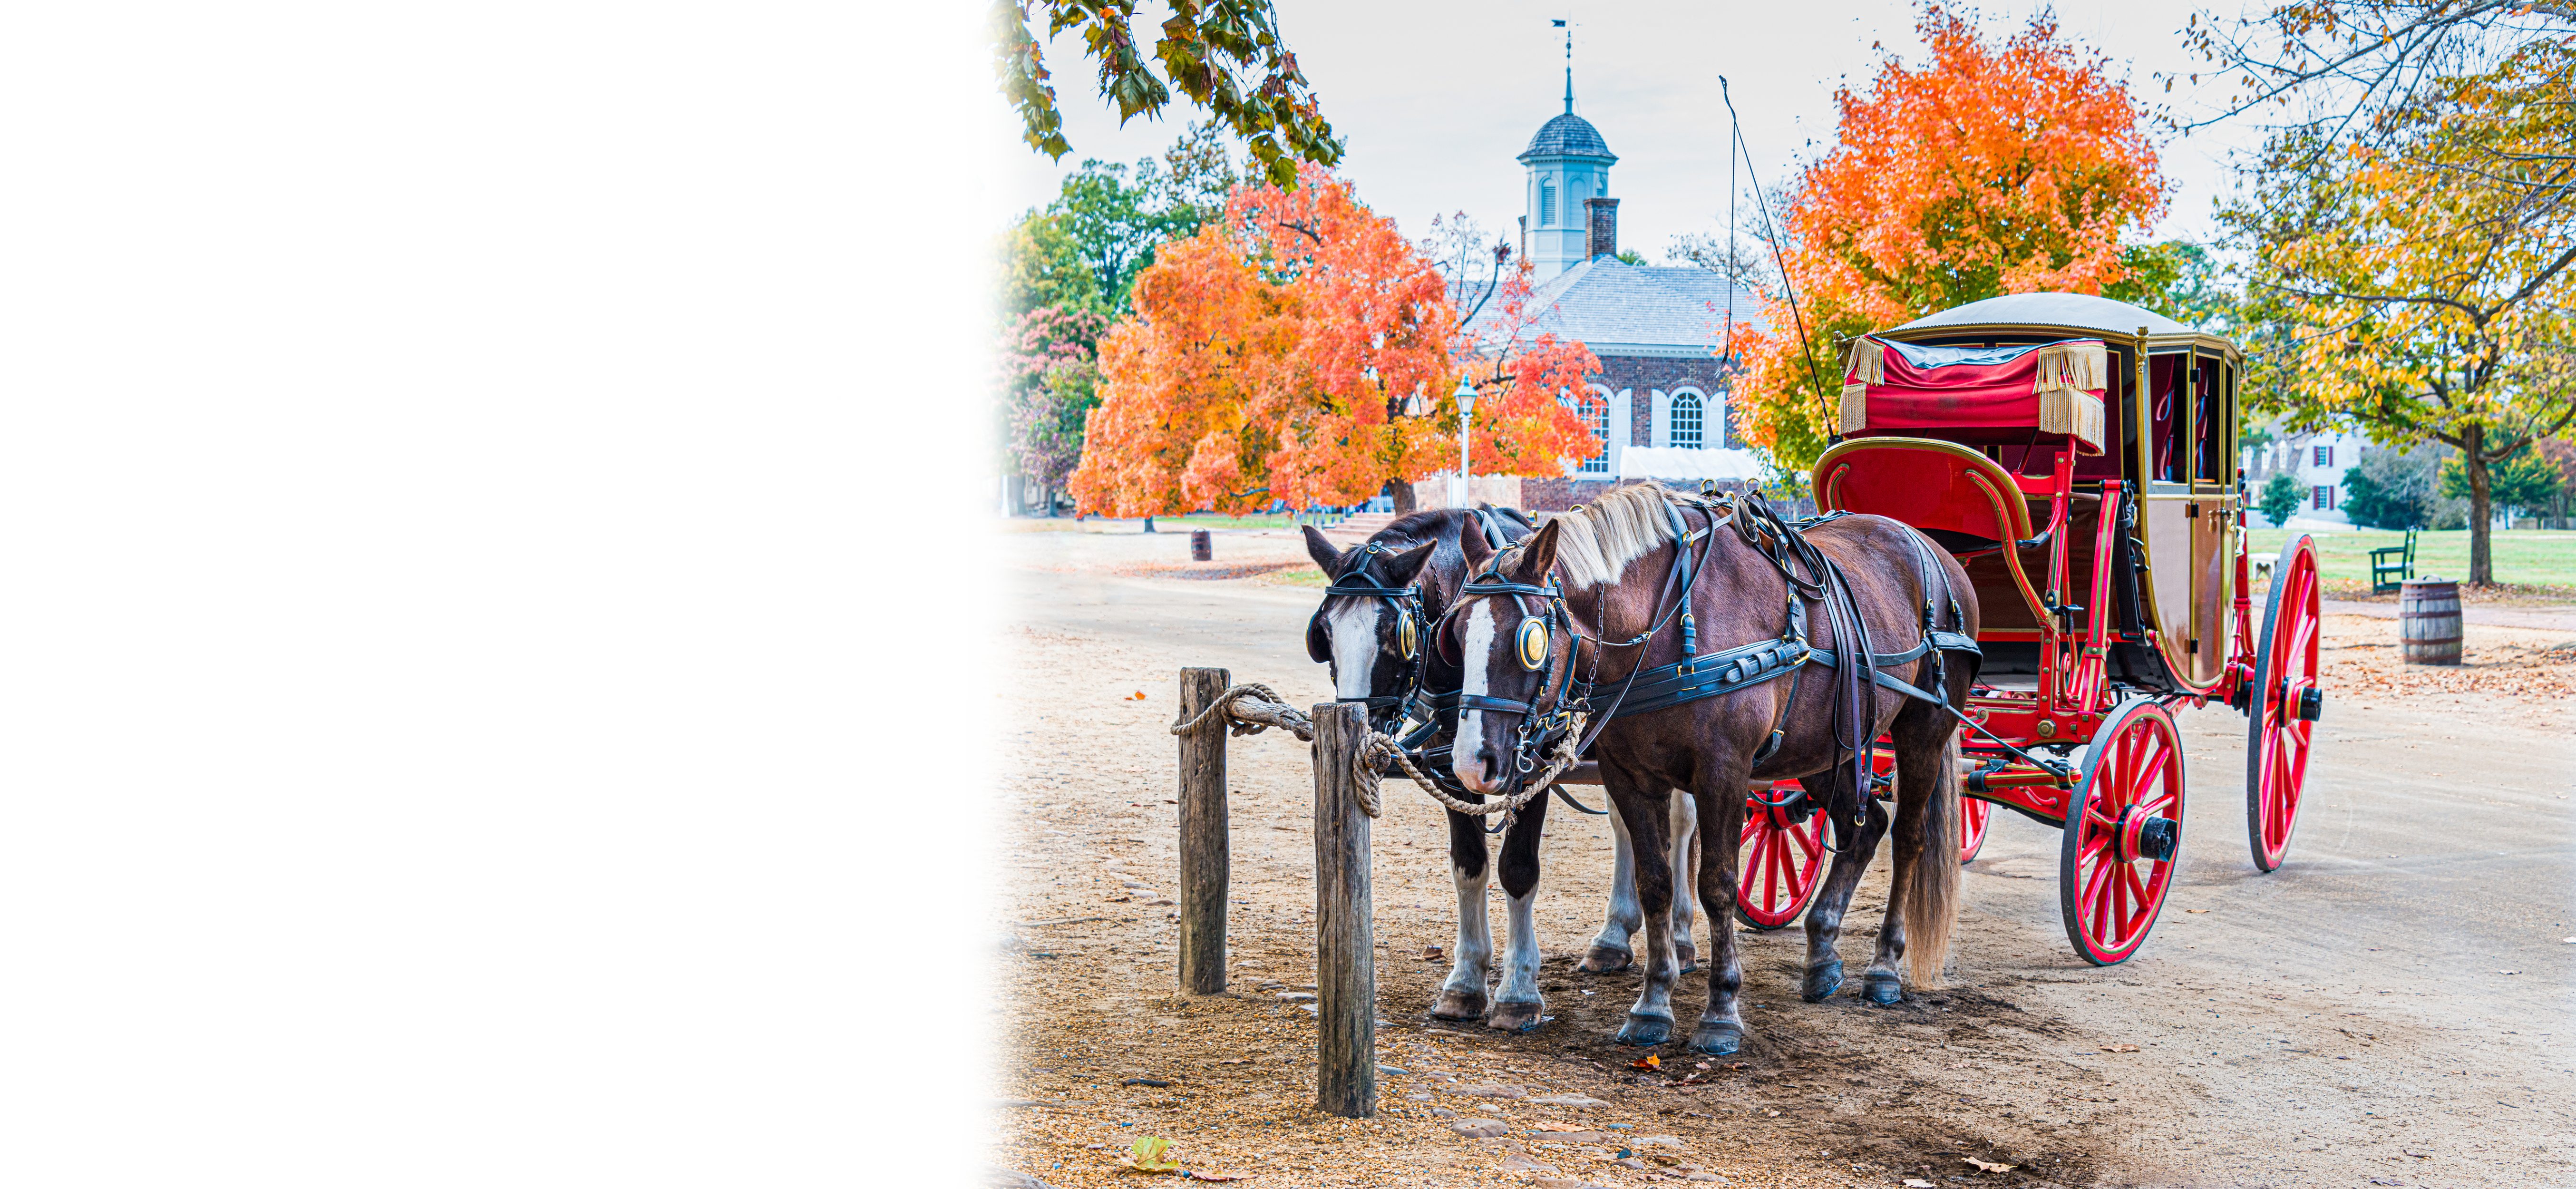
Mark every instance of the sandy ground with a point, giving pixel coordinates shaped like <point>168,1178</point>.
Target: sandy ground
<point>2388,1009</point>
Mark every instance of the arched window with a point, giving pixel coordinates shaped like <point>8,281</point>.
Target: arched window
<point>1686,420</point>
<point>1547,203</point>
<point>1594,408</point>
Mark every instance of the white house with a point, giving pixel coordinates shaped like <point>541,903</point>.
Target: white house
<point>2321,462</point>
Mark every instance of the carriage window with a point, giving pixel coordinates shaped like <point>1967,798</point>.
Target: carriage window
<point>2167,417</point>
<point>1594,408</point>
<point>2208,423</point>
<point>1686,420</point>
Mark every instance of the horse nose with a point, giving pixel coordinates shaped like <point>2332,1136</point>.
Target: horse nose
<point>1479,769</point>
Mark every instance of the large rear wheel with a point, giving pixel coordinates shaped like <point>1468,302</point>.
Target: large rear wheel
<point>1780,863</point>
<point>2122,835</point>
<point>2282,708</point>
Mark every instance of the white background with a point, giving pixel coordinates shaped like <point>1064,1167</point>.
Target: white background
<point>479,594</point>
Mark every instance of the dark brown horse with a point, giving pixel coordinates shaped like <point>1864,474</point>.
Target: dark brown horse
<point>1629,566</point>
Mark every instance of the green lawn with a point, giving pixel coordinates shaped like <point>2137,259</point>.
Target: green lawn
<point>2523,557</point>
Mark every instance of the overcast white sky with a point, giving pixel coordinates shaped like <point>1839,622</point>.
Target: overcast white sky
<point>1435,99</point>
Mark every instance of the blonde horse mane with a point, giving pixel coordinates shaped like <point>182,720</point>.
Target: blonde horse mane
<point>1595,543</point>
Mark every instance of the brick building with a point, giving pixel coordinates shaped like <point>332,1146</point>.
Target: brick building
<point>1658,332</point>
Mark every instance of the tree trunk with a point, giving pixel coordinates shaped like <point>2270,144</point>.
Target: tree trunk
<point>1050,502</point>
<point>1149,524</point>
<point>1402,493</point>
<point>2473,456</point>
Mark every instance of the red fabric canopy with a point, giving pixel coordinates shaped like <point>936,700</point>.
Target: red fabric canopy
<point>1954,388</point>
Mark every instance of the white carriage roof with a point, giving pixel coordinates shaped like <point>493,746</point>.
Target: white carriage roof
<point>1636,310</point>
<point>2054,309</point>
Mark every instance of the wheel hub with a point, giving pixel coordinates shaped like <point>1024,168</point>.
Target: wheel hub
<point>2311,704</point>
<point>2143,835</point>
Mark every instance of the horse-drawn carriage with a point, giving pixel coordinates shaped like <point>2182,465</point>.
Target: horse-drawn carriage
<point>2102,522</point>
<point>2068,517</point>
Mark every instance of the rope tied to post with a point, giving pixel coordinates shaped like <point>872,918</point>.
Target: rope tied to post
<point>1252,707</point>
<point>1266,709</point>
<point>1377,749</point>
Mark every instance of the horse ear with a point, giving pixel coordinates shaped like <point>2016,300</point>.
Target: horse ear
<point>1402,568</point>
<point>1538,555</point>
<point>1472,543</point>
<point>1321,549</point>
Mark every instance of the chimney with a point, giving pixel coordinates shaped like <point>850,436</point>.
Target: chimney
<point>1603,215</point>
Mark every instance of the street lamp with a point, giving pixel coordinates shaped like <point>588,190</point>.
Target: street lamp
<point>1466,409</point>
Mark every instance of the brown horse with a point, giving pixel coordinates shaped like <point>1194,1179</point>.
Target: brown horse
<point>1620,588</point>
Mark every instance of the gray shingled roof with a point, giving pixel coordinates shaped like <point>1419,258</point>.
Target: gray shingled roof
<point>1568,135</point>
<point>1628,309</point>
<point>2078,310</point>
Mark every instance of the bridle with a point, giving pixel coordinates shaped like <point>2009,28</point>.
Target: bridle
<point>1362,582</point>
<point>1545,720</point>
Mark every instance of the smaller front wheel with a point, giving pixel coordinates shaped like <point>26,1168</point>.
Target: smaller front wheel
<point>1780,863</point>
<point>1972,828</point>
<point>2123,835</point>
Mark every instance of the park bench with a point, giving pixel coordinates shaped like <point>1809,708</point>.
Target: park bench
<point>2401,569</point>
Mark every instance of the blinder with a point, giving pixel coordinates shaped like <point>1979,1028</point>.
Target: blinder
<point>1361,582</point>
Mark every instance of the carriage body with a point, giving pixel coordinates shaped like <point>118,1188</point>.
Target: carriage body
<point>2078,455</point>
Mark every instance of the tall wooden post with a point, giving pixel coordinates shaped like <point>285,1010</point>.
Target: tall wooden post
<point>1204,862</point>
<point>1345,934</point>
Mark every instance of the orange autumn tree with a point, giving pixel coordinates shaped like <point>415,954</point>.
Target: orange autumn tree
<point>1989,170</point>
<point>1297,349</point>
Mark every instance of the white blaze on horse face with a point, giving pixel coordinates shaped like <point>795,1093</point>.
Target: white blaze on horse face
<point>1355,646</point>
<point>1475,653</point>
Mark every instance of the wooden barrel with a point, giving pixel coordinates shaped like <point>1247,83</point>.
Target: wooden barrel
<point>1199,550</point>
<point>2428,622</point>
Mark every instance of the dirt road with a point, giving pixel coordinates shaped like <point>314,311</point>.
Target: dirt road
<point>2391,1008</point>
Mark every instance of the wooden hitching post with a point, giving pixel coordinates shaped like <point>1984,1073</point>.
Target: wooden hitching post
<point>1203,835</point>
<point>1345,936</point>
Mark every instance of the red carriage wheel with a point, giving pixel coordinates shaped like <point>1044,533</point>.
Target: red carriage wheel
<point>2122,835</point>
<point>1972,828</point>
<point>2282,708</point>
<point>1781,862</point>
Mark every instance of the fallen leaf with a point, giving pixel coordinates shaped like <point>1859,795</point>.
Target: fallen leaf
<point>1146,1155</point>
<point>1987,1165</point>
<point>2119,1048</point>
<point>1138,696</point>
<point>1201,1174</point>
<point>1649,1061</point>
<point>1431,953</point>
<point>2195,910</point>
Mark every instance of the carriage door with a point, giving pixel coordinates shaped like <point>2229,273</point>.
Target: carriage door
<point>2213,524</point>
<point>2180,511</point>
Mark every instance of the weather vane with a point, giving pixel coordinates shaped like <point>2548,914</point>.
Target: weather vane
<point>1568,26</point>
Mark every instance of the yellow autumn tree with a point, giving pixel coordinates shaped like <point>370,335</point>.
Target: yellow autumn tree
<point>1987,170</point>
<point>2416,282</point>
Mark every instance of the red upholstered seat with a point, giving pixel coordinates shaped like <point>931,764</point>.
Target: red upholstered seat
<point>1925,483</point>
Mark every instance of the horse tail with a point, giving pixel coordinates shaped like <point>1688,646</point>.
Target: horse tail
<point>1932,891</point>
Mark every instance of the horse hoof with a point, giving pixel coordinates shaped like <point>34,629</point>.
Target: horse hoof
<point>1515,1017</point>
<point>1821,982</point>
<point>1646,1030</point>
<point>1454,1004</point>
<point>1881,989</point>
<point>1718,1039</point>
<point>1604,960</point>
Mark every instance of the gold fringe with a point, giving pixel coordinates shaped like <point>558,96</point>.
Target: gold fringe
<point>1865,361</point>
<point>1855,408</point>
<point>2083,366</point>
<point>2066,411</point>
